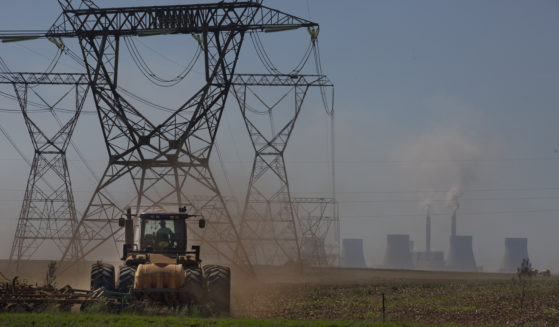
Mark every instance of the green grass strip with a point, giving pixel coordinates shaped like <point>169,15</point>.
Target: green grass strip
<point>102,320</point>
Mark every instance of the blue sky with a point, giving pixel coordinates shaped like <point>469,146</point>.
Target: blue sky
<point>430,95</point>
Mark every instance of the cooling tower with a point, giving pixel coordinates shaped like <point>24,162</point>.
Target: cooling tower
<point>461,254</point>
<point>353,256</point>
<point>313,251</point>
<point>516,249</point>
<point>398,253</point>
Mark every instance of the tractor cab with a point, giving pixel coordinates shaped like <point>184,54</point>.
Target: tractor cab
<point>163,232</point>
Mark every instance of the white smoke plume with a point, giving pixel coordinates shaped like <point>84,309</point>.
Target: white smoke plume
<point>444,164</point>
<point>427,202</point>
<point>453,196</point>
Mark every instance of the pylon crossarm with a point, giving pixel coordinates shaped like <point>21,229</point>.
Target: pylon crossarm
<point>281,80</point>
<point>29,78</point>
<point>176,19</point>
<point>161,20</point>
<point>21,83</point>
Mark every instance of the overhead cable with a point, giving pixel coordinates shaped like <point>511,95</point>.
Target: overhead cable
<point>150,75</point>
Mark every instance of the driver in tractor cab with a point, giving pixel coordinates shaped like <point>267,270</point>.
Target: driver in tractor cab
<point>164,236</point>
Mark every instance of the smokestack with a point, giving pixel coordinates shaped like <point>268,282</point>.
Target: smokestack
<point>516,249</point>
<point>453,227</point>
<point>461,254</point>
<point>398,253</point>
<point>428,231</point>
<point>353,256</point>
<point>428,260</point>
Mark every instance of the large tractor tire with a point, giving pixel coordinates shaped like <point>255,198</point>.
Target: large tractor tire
<point>218,279</point>
<point>194,285</point>
<point>102,276</point>
<point>126,276</point>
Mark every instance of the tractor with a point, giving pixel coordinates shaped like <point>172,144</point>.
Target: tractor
<point>159,267</point>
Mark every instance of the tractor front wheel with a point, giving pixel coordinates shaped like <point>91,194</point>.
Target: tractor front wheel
<point>194,285</point>
<point>218,279</point>
<point>126,277</point>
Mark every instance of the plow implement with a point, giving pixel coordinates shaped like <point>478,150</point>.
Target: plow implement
<point>17,296</point>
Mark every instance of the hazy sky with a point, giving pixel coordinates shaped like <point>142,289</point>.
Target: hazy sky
<point>430,96</point>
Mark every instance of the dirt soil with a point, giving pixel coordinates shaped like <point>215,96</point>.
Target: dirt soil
<point>410,296</point>
<point>356,294</point>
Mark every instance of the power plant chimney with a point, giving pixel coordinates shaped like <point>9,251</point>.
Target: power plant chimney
<point>516,249</point>
<point>352,255</point>
<point>428,260</point>
<point>461,253</point>
<point>453,227</point>
<point>428,230</point>
<point>398,254</point>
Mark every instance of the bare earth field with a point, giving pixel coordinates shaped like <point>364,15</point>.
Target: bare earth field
<point>411,296</point>
<point>343,296</point>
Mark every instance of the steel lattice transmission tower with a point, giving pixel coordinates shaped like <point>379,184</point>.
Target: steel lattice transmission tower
<point>161,162</point>
<point>269,224</point>
<point>320,230</point>
<point>48,212</point>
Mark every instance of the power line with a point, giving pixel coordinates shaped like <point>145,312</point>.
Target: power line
<point>429,161</point>
<point>150,75</point>
<point>162,55</point>
<point>41,107</point>
<point>443,191</point>
<point>359,201</point>
<point>265,59</point>
<point>40,54</point>
<point>228,181</point>
<point>489,213</point>
<point>145,101</point>
<point>462,199</point>
<point>15,146</point>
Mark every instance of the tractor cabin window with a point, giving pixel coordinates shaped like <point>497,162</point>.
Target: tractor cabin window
<point>163,235</point>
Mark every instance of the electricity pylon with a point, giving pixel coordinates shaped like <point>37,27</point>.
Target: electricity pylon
<point>269,226</point>
<point>162,162</point>
<point>48,212</point>
<point>319,223</point>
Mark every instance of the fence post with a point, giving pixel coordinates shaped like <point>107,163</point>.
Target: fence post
<point>383,310</point>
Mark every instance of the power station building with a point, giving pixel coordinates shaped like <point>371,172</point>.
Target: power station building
<point>398,252</point>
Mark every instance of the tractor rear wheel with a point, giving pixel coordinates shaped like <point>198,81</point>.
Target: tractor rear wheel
<point>102,276</point>
<point>218,279</point>
<point>126,276</point>
<point>194,285</point>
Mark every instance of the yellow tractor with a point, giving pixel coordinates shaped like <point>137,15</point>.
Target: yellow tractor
<point>160,268</point>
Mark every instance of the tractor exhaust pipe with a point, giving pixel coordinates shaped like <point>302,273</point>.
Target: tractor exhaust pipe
<point>128,224</point>
<point>129,228</point>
